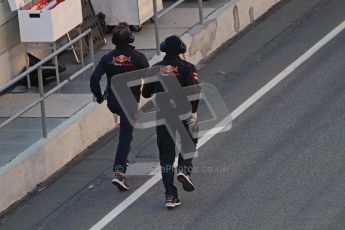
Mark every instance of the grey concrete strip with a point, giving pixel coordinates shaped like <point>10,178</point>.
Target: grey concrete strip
<point>31,123</point>
<point>24,136</point>
<point>57,105</point>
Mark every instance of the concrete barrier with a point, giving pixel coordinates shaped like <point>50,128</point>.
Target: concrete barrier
<point>45,157</point>
<point>222,25</point>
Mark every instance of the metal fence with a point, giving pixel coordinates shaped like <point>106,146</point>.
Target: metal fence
<point>39,67</point>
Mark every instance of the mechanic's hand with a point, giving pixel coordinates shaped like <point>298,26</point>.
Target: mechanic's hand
<point>193,122</point>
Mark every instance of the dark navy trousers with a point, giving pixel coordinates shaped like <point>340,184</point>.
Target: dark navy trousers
<point>124,145</point>
<point>125,135</point>
<point>167,153</point>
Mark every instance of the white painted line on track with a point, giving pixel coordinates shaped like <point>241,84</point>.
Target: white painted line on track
<point>281,76</point>
<point>238,111</point>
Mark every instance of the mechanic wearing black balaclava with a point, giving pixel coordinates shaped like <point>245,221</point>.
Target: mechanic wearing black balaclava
<point>186,74</point>
<point>123,58</point>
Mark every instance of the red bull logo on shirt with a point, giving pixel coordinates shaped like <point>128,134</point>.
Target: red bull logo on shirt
<point>169,71</point>
<point>122,60</point>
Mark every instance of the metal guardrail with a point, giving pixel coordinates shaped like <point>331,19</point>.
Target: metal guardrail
<point>39,68</point>
<point>157,15</point>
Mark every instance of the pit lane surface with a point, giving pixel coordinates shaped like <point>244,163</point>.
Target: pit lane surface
<point>281,166</point>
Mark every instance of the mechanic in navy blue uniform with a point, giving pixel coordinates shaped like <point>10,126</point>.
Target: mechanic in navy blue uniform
<point>187,75</point>
<point>123,58</point>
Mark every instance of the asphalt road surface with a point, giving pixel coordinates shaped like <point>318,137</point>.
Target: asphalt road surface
<point>281,166</point>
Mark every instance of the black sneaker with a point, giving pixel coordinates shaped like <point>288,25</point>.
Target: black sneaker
<point>186,182</point>
<point>172,202</point>
<point>119,181</point>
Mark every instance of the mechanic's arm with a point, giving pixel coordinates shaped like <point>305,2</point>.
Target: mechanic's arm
<point>144,62</point>
<point>96,78</point>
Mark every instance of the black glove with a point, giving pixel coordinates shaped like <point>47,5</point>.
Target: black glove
<point>103,97</point>
<point>100,100</point>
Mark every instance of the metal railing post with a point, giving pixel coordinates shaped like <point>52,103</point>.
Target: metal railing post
<point>201,13</point>
<point>91,54</point>
<point>27,64</point>
<point>91,50</point>
<point>56,63</point>
<point>155,16</point>
<point>43,109</point>
<point>81,51</point>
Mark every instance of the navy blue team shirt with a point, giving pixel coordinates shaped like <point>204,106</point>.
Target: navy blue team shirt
<point>184,71</point>
<point>120,60</point>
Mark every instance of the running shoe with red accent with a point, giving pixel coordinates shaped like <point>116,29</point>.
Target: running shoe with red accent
<point>186,182</point>
<point>119,181</point>
<point>172,202</point>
